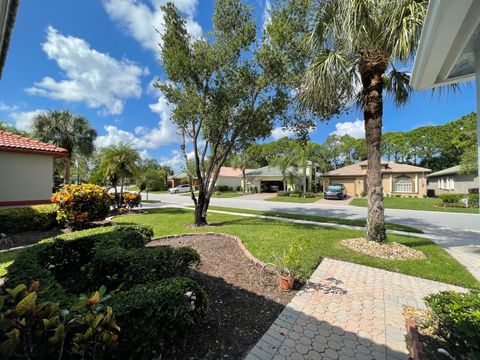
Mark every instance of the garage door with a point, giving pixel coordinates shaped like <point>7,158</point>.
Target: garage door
<point>349,185</point>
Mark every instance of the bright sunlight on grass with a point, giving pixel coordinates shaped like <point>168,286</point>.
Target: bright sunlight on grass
<point>262,237</point>
<point>427,204</point>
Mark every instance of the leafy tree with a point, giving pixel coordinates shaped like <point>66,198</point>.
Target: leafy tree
<point>469,161</point>
<point>243,161</point>
<point>117,163</point>
<point>358,43</point>
<point>286,160</point>
<point>222,100</point>
<point>4,126</point>
<point>69,131</point>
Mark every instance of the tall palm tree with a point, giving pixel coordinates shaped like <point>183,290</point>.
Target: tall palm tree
<point>119,161</point>
<point>69,131</point>
<point>354,47</point>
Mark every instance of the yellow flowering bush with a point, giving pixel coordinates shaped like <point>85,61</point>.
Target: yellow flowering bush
<point>78,205</point>
<point>131,200</point>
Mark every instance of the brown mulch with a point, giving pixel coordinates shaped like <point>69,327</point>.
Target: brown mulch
<point>389,251</point>
<point>430,341</point>
<point>244,300</point>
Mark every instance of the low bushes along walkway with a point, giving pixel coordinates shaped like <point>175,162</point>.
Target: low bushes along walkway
<point>262,237</point>
<point>414,204</point>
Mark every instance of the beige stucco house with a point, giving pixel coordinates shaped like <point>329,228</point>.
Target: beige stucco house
<point>26,170</point>
<point>397,179</point>
<point>452,181</point>
<point>270,178</point>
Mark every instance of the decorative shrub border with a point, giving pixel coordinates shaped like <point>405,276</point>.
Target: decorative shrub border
<point>258,263</point>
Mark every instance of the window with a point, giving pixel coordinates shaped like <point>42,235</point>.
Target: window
<point>403,184</point>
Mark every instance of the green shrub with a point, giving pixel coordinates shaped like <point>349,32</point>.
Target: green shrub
<point>33,330</point>
<point>146,230</point>
<point>151,315</point>
<point>283,193</point>
<point>472,200</point>
<point>40,217</point>
<point>308,195</point>
<point>363,193</point>
<point>295,194</point>
<point>457,319</point>
<point>119,267</point>
<point>79,205</point>
<point>450,198</point>
<point>223,188</point>
<point>131,200</point>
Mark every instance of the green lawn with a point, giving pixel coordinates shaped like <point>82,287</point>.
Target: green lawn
<point>317,218</point>
<point>151,201</point>
<point>291,199</point>
<point>414,204</point>
<point>223,194</point>
<point>262,237</point>
<point>6,258</point>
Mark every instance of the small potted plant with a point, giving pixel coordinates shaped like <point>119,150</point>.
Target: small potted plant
<point>288,264</point>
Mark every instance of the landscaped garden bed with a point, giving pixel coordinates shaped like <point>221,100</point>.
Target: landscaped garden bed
<point>244,300</point>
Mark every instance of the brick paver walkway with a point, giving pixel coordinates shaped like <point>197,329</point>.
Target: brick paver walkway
<point>346,311</point>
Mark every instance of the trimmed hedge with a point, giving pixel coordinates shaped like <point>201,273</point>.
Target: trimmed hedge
<point>16,220</point>
<point>283,193</point>
<point>152,315</point>
<point>152,303</point>
<point>223,188</point>
<point>119,267</point>
<point>457,318</point>
<point>455,200</point>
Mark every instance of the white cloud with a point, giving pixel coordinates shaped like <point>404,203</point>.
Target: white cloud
<point>280,132</point>
<point>145,22</point>
<point>24,119</point>
<point>115,136</point>
<point>95,78</point>
<point>7,108</point>
<point>267,16</point>
<point>355,129</point>
<point>177,161</point>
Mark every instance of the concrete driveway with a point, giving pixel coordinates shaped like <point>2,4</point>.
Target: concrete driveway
<point>459,233</point>
<point>344,202</point>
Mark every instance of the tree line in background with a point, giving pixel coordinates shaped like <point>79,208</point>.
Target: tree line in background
<point>434,147</point>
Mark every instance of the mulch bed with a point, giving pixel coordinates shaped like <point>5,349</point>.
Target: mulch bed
<point>28,238</point>
<point>389,251</point>
<point>244,300</point>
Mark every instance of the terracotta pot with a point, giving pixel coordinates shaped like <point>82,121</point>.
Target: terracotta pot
<point>285,283</point>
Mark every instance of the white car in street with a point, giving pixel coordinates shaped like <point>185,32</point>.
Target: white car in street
<point>179,189</point>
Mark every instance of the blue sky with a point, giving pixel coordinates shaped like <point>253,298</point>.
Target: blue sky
<point>99,58</point>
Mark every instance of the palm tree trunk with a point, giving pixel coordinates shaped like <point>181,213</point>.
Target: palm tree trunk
<point>372,67</point>
<point>120,200</point>
<point>68,163</point>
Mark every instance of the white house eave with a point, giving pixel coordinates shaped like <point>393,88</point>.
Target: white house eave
<point>448,27</point>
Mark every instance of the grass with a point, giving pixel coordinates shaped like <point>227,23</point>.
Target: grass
<point>151,201</point>
<point>291,199</point>
<point>6,259</point>
<point>222,195</point>
<point>427,204</point>
<point>264,237</point>
<point>318,218</point>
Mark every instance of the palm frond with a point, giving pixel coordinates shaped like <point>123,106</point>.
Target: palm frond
<point>397,85</point>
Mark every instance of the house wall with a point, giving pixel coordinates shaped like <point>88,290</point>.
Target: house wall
<point>232,181</point>
<point>462,183</point>
<point>25,178</point>
<point>355,186</point>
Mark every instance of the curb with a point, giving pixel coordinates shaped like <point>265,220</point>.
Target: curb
<point>258,263</point>
<point>417,348</point>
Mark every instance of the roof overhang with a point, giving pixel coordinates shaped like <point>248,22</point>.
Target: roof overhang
<point>8,11</point>
<point>55,154</point>
<point>450,37</point>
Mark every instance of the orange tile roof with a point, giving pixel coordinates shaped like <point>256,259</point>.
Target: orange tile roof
<point>390,167</point>
<point>15,143</point>
<point>230,171</point>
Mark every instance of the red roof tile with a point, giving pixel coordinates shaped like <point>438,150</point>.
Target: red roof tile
<point>15,143</point>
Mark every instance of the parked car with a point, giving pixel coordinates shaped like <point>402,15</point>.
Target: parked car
<point>335,191</point>
<point>179,189</point>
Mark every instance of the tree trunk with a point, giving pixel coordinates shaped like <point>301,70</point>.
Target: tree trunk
<point>244,181</point>
<point>304,179</point>
<point>68,163</point>
<point>120,200</point>
<point>372,67</point>
<point>201,208</point>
